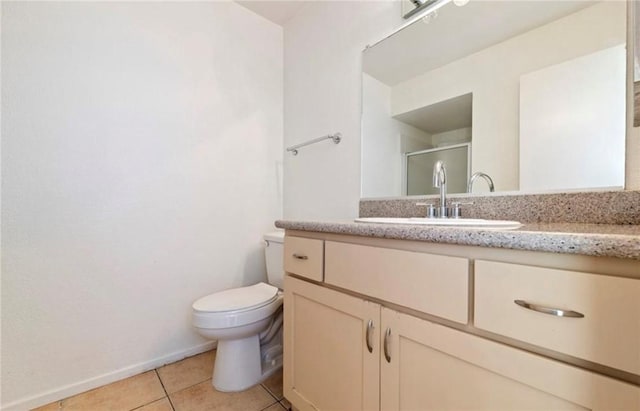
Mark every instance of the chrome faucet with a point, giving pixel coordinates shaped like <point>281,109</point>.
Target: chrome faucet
<point>440,181</point>
<point>475,176</point>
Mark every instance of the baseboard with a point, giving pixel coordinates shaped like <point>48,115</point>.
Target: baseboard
<point>98,381</point>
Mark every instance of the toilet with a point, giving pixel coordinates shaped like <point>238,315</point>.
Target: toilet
<point>247,323</point>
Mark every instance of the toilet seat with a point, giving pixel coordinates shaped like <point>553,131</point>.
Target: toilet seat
<point>237,299</point>
<point>236,307</point>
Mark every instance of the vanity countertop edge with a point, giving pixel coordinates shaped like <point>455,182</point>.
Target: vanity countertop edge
<point>601,240</point>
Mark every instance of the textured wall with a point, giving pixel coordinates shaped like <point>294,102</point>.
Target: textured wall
<point>140,153</point>
<point>322,87</point>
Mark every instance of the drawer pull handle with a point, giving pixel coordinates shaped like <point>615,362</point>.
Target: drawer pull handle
<point>548,310</point>
<point>370,328</point>
<point>387,345</point>
<point>300,257</point>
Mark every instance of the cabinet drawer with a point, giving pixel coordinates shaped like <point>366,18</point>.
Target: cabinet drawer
<point>433,284</point>
<point>608,334</point>
<point>304,257</point>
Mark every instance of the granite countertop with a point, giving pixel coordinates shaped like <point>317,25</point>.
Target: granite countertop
<point>621,241</point>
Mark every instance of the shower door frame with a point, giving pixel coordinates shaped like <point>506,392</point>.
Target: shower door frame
<point>405,163</point>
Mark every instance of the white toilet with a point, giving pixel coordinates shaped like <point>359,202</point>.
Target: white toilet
<point>247,323</point>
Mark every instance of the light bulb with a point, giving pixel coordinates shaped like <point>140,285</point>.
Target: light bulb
<point>460,3</point>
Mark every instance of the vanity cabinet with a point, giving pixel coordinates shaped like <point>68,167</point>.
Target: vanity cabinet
<point>331,349</point>
<point>430,283</point>
<point>384,330</point>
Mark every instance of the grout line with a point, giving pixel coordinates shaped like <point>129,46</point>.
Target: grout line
<point>187,387</point>
<point>272,396</point>
<point>269,406</point>
<point>269,391</point>
<point>165,390</point>
<point>273,393</point>
<point>144,405</point>
<point>284,406</point>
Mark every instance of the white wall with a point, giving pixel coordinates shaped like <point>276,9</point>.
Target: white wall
<point>140,152</point>
<point>569,140</point>
<point>387,141</point>
<point>322,81</point>
<point>457,136</point>
<point>496,88</point>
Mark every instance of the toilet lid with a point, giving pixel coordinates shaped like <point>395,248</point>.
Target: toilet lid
<point>235,299</point>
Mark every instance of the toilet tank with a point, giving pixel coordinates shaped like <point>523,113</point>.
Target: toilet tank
<point>273,253</point>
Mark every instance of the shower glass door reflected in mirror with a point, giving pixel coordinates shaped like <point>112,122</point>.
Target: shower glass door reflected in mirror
<point>419,169</point>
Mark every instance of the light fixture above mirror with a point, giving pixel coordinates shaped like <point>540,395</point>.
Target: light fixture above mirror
<point>412,8</point>
<point>416,6</point>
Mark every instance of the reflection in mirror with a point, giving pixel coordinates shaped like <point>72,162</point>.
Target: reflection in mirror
<point>536,87</point>
<point>636,63</point>
<point>420,169</point>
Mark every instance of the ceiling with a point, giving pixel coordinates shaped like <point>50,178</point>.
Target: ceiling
<point>278,12</point>
<point>443,116</point>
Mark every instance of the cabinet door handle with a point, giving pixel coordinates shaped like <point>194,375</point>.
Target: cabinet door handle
<point>387,345</point>
<point>548,310</point>
<point>300,257</point>
<point>370,328</point>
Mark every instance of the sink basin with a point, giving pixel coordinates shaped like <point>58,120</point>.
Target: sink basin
<point>444,222</point>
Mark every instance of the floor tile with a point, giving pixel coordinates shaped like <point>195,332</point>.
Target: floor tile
<point>275,407</point>
<point>274,385</point>
<point>204,397</point>
<point>160,405</point>
<point>126,394</point>
<point>188,372</point>
<point>285,403</point>
<point>54,406</point>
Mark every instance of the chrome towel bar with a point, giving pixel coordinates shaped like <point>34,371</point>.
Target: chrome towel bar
<point>337,137</point>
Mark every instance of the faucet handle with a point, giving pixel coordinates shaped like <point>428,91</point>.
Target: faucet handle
<point>431,209</point>
<point>456,212</point>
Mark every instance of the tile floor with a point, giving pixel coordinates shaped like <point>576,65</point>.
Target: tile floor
<point>182,386</point>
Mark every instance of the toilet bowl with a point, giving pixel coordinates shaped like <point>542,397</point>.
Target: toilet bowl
<point>247,323</point>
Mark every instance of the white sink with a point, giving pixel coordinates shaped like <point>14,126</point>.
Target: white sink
<point>444,222</point>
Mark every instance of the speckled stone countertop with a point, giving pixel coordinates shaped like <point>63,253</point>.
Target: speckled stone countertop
<point>621,241</point>
<point>597,207</point>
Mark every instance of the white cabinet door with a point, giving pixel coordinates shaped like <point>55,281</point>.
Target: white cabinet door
<point>327,336</point>
<point>432,367</point>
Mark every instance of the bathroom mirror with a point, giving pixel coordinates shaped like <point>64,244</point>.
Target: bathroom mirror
<point>635,15</point>
<point>536,89</point>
